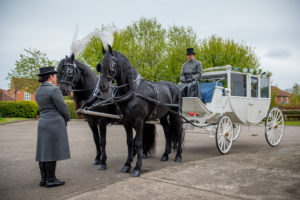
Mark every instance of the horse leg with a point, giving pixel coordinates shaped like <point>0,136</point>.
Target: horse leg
<point>94,129</point>
<point>176,131</point>
<point>139,147</point>
<point>102,127</point>
<point>165,124</point>
<point>127,166</point>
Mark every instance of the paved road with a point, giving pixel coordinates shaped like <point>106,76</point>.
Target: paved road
<point>252,169</point>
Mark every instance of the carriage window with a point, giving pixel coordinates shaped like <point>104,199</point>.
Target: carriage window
<point>254,87</point>
<point>264,87</point>
<point>238,85</point>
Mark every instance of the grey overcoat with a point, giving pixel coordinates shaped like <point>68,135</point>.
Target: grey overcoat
<point>191,71</point>
<point>52,138</point>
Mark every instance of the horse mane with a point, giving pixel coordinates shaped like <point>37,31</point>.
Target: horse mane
<point>129,72</point>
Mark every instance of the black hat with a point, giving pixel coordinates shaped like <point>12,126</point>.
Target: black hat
<point>190,51</point>
<point>47,70</point>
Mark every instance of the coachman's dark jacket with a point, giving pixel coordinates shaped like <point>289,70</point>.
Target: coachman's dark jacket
<point>52,139</point>
<point>190,75</point>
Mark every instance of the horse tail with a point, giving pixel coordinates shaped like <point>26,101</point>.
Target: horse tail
<point>149,138</point>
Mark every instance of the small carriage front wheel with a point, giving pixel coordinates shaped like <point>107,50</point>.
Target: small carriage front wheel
<point>274,127</point>
<point>236,131</point>
<point>224,134</point>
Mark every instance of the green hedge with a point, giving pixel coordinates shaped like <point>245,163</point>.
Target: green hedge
<point>72,108</point>
<point>27,109</point>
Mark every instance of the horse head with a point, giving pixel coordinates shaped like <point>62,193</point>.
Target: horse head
<point>108,68</point>
<point>68,75</point>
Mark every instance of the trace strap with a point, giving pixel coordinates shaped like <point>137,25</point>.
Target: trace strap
<point>93,95</point>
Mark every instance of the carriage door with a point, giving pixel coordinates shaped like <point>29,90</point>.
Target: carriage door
<point>254,107</point>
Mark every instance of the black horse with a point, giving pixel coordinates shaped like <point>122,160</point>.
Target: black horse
<point>75,76</point>
<point>139,101</point>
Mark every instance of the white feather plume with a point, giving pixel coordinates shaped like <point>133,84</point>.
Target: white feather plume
<point>106,35</point>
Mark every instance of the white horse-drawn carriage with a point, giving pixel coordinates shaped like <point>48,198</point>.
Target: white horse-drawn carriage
<point>232,98</point>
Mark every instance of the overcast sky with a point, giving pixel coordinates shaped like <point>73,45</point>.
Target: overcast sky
<point>271,27</point>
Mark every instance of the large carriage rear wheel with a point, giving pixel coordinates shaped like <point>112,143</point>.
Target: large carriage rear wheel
<point>236,131</point>
<point>224,134</point>
<point>274,127</point>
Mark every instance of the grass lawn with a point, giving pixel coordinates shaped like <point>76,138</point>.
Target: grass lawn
<point>4,120</point>
<point>292,123</point>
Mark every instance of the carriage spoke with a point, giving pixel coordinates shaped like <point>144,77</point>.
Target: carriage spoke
<point>224,144</point>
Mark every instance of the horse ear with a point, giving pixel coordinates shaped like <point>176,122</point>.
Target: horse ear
<point>72,58</point>
<point>103,50</point>
<point>110,49</point>
<point>98,67</point>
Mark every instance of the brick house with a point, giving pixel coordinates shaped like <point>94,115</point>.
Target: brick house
<point>13,94</point>
<point>282,97</point>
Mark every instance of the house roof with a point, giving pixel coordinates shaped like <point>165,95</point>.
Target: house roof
<point>281,93</point>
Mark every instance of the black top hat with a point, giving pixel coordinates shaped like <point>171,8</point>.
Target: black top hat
<point>190,51</point>
<point>47,70</point>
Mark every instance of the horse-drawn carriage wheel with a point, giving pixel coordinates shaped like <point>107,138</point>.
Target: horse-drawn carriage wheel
<point>274,127</point>
<point>224,134</point>
<point>236,131</point>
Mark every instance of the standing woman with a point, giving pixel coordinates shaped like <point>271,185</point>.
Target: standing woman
<point>52,138</point>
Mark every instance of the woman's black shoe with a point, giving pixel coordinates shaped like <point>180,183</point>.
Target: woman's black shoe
<point>54,182</point>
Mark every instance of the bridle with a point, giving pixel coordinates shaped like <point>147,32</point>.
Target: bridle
<point>73,72</point>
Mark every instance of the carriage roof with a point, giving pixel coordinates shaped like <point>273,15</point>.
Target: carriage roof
<point>221,72</point>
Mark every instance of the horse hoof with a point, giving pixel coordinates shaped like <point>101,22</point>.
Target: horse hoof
<point>144,156</point>
<point>178,159</point>
<point>135,173</point>
<point>164,158</point>
<point>102,167</point>
<point>96,162</point>
<point>125,169</point>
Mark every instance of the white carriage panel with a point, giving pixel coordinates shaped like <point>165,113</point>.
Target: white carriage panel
<point>239,106</point>
<point>193,105</point>
<point>257,109</point>
<point>218,101</point>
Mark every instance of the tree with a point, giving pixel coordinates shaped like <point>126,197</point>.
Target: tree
<point>144,44</point>
<point>216,51</point>
<point>24,75</point>
<point>295,97</point>
<point>158,54</point>
<point>92,53</point>
<point>178,40</point>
